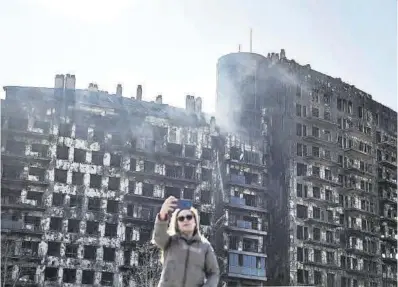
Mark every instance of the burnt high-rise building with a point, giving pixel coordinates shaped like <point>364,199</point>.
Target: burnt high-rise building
<point>85,172</point>
<point>294,180</point>
<point>331,168</point>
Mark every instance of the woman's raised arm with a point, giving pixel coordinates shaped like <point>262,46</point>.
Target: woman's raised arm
<point>160,235</point>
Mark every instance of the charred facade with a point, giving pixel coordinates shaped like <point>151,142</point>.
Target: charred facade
<point>331,161</point>
<point>85,172</point>
<point>295,185</point>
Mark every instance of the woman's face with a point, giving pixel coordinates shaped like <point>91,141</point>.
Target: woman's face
<point>186,221</point>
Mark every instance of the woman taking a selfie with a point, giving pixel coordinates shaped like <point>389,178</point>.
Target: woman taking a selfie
<point>188,258</point>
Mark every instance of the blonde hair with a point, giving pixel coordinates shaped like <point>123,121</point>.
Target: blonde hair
<point>173,227</point>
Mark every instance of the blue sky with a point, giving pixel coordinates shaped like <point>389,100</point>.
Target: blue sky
<point>171,47</point>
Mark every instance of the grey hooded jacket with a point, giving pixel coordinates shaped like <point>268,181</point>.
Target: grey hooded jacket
<point>187,262</point>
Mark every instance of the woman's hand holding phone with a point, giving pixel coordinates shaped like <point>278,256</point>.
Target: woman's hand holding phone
<point>168,206</point>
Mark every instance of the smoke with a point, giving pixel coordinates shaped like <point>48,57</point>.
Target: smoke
<point>246,80</point>
<point>234,78</point>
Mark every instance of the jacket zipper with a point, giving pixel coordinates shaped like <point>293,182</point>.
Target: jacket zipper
<point>186,266</point>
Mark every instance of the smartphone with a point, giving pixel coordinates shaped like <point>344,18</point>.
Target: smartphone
<point>184,204</point>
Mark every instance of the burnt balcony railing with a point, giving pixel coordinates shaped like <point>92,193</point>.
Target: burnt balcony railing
<point>389,217</point>
<point>358,210</point>
<point>358,170</point>
<point>243,225</point>
<point>361,272</point>
<point>239,179</point>
<point>243,181</point>
<point>326,122</point>
<point>28,253</point>
<point>249,268</point>
<point>239,202</point>
<point>323,201</point>
<point>389,276</point>
<point>250,248</point>
<point>388,180</point>
<point>147,214</point>
<point>388,196</point>
<point>11,225</point>
<point>356,228</point>
<point>391,144</point>
<point>389,256</point>
<point>318,262</point>
<point>357,152</point>
<point>324,243</point>
<point>321,139</point>
<point>251,161</point>
<point>356,132</point>
<point>354,249</point>
<point>327,222</point>
<point>388,162</point>
<point>322,180</point>
<point>15,202</point>
<point>321,159</point>
<point>247,271</point>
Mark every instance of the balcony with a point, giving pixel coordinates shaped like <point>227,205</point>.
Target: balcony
<point>171,175</point>
<point>146,216</point>
<point>247,227</point>
<point>321,159</point>
<point>354,131</point>
<point>327,123</point>
<point>390,258</point>
<point>354,250</point>
<point>351,168</point>
<point>322,140</point>
<point>330,223</point>
<point>389,237</point>
<point>389,197</point>
<point>25,132</point>
<point>322,243</point>
<point>356,210</point>
<point>240,180</point>
<point>246,266</point>
<point>247,273</point>
<point>389,276</point>
<point>238,202</point>
<point>323,202</point>
<point>362,272</point>
<point>391,219</point>
<point>389,163</point>
<point>255,163</point>
<point>319,263</point>
<point>352,189</point>
<point>26,254</point>
<point>10,226</point>
<point>356,229</point>
<point>160,149</point>
<point>150,147</point>
<point>320,180</point>
<point>16,203</point>
<point>389,144</point>
<point>250,251</point>
<point>389,181</point>
<point>357,153</point>
<point>144,198</point>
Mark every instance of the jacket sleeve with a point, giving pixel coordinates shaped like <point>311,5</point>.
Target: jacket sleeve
<point>160,236</point>
<point>211,268</point>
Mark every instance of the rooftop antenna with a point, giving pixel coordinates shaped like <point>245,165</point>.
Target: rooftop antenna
<point>251,39</point>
